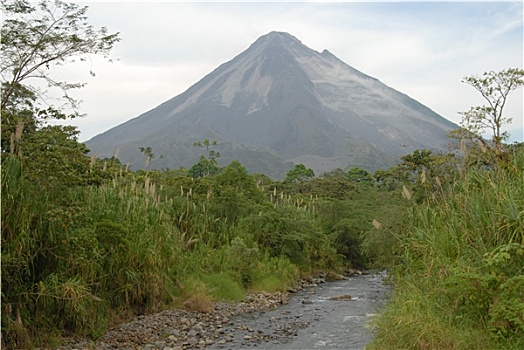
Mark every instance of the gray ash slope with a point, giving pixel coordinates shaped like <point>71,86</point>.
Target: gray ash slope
<point>277,104</point>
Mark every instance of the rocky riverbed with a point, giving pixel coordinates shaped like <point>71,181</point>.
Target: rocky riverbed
<point>261,319</point>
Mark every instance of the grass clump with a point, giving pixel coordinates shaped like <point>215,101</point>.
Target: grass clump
<point>274,274</point>
<point>196,295</point>
<point>223,287</point>
<point>268,284</point>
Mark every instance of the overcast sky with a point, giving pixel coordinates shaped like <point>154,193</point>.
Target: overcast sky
<point>419,48</point>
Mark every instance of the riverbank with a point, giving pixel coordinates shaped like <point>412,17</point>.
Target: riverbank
<point>179,329</point>
<point>275,319</point>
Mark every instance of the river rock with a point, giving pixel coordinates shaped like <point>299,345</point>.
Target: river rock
<point>332,276</point>
<point>341,297</point>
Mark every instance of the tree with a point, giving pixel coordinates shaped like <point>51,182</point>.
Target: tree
<point>336,173</point>
<point>361,176</point>
<point>36,38</point>
<point>205,166</point>
<point>148,153</point>
<point>299,173</point>
<point>298,179</point>
<point>55,159</point>
<point>494,88</point>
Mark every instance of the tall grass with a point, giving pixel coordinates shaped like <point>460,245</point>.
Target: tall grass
<point>460,281</point>
<point>76,260</point>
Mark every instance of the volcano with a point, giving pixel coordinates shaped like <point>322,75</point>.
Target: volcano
<point>278,104</point>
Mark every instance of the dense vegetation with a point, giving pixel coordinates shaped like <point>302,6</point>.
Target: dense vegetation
<point>85,248</point>
<point>459,282</point>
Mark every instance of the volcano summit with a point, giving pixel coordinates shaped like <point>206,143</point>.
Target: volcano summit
<point>277,104</point>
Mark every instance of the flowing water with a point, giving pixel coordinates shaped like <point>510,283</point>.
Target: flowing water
<point>312,321</point>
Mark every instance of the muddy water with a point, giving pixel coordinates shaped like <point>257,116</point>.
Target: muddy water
<point>312,321</point>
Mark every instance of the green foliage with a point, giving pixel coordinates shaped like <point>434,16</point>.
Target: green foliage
<point>506,314</point>
<point>381,245</point>
<point>131,242</point>
<point>243,259</point>
<point>462,261</point>
<point>299,173</point>
<point>333,187</point>
<point>206,165</point>
<point>346,221</point>
<point>223,287</point>
<point>55,157</point>
<point>413,320</point>
<point>274,274</point>
<point>361,176</point>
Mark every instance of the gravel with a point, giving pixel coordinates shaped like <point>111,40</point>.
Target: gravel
<point>181,329</point>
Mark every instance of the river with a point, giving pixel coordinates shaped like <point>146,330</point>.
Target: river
<point>311,320</point>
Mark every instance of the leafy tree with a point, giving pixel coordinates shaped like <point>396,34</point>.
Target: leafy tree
<point>391,179</point>
<point>262,180</point>
<point>299,173</point>
<point>235,191</point>
<point>298,179</point>
<point>36,38</point>
<point>361,176</point>
<point>236,175</point>
<point>332,187</point>
<point>494,88</point>
<point>204,167</point>
<point>418,161</point>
